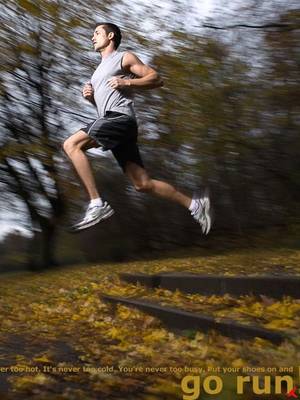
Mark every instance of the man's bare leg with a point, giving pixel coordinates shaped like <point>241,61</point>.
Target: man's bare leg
<point>199,208</point>
<point>75,147</point>
<point>143,183</point>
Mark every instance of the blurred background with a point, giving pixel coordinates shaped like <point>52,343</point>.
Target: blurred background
<point>227,117</point>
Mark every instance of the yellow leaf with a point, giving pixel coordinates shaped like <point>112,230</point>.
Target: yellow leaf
<point>41,379</point>
<point>155,336</point>
<point>146,351</point>
<point>280,324</point>
<point>30,7</point>
<point>238,363</point>
<point>114,333</point>
<point>42,359</point>
<point>27,381</point>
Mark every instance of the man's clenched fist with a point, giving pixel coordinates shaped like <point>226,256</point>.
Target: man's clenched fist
<point>117,82</point>
<point>88,92</point>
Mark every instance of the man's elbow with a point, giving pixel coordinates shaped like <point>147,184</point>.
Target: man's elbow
<point>158,80</point>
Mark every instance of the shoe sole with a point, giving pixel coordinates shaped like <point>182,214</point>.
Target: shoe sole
<point>94,222</point>
<point>207,215</point>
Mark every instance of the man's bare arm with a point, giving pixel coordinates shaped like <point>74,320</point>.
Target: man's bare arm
<point>147,77</point>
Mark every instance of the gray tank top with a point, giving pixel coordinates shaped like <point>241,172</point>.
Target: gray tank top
<point>107,98</point>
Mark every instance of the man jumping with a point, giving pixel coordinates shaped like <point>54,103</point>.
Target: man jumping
<point>115,129</point>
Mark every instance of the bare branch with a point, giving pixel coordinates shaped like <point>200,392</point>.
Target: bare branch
<point>288,27</point>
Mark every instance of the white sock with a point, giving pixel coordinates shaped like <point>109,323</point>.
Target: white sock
<point>96,202</point>
<point>192,206</point>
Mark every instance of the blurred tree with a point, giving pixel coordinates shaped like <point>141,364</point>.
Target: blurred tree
<point>229,122</point>
<point>282,108</point>
<point>45,48</point>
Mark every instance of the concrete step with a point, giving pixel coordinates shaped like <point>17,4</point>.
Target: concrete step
<point>184,320</point>
<point>271,286</point>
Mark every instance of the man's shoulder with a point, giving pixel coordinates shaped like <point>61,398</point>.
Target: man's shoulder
<point>129,57</point>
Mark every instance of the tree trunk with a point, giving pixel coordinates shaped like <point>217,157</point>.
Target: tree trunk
<point>42,247</point>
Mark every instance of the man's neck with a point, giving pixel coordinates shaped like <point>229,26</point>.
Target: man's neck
<point>106,52</point>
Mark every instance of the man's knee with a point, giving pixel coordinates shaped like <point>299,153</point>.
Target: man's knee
<point>144,186</point>
<point>69,145</point>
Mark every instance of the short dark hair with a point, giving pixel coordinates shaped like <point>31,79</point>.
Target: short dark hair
<point>109,27</point>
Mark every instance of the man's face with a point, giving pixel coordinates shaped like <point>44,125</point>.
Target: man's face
<point>100,38</point>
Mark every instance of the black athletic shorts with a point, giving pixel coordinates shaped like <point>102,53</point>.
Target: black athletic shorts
<point>117,132</point>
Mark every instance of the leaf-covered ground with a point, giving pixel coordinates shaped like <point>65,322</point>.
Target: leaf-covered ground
<point>58,339</point>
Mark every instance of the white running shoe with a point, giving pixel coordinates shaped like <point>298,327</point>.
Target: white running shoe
<point>93,215</point>
<point>202,213</point>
